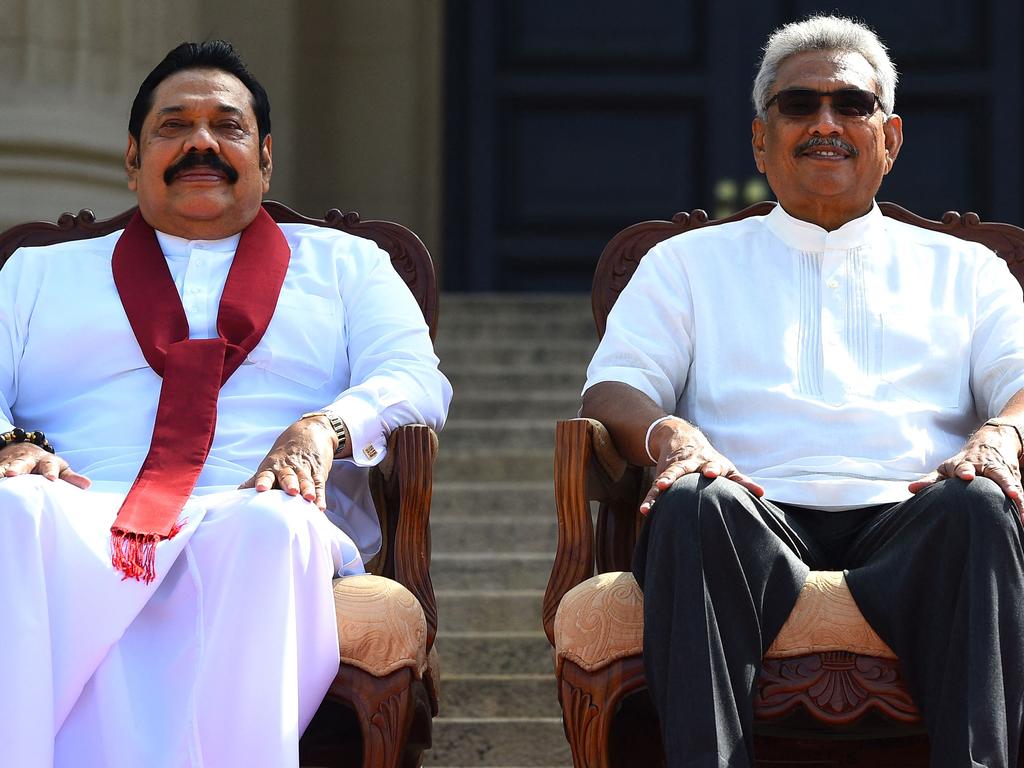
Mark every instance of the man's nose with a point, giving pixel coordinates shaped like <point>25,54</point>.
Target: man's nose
<point>201,139</point>
<point>826,120</point>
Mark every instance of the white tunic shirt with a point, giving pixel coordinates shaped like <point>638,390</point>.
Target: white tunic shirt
<point>346,334</point>
<point>832,367</point>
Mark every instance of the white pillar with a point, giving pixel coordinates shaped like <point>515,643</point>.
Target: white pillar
<point>71,70</point>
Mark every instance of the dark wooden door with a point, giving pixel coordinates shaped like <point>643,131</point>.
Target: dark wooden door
<point>570,119</point>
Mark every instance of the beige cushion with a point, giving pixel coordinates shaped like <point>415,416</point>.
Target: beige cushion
<point>381,626</point>
<point>826,618</point>
<point>601,620</point>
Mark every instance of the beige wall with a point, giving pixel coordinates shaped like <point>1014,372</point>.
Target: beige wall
<point>355,87</point>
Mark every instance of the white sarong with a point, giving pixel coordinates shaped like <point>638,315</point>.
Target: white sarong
<point>220,662</point>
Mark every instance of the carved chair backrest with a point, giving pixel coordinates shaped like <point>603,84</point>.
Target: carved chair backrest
<point>615,534</point>
<point>408,255</point>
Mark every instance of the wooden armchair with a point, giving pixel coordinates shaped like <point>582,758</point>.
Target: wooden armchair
<point>826,675</point>
<point>378,711</point>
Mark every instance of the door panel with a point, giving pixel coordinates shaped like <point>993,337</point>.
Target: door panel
<point>571,120</point>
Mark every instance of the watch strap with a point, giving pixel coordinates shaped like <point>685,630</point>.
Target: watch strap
<point>340,431</point>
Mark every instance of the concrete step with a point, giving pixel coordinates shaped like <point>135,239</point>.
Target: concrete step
<point>491,499</point>
<point>534,533</point>
<point>499,741</point>
<point>495,653</point>
<point>490,570</point>
<point>492,465</point>
<point>498,610</point>
<point>481,696</point>
<point>514,352</point>
<point>514,403</point>
<point>526,434</point>
<point>523,324</point>
<point>461,305</point>
<point>479,377</point>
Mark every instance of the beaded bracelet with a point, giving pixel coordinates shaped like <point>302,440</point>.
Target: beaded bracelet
<point>19,435</point>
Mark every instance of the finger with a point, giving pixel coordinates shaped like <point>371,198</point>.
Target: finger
<point>965,470</point>
<point>746,482</point>
<point>674,471</point>
<point>920,484</point>
<point>69,475</point>
<point>1003,477</point>
<point>648,502</point>
<point>650,499</point>
<point>945,469</point>
<point>264,480</point>
<point>321,496</point>
<point>307,487</point>
<point>711,469</point>
<point>287,480</point>
<point>1014,493</point>
<point>19,466</point>
<point>49,467</point>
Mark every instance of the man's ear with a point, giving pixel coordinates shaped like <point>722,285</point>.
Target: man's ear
<point>266,162</point>
<point>757,130</point>
<point>893,131</point>
<point>131,163</point>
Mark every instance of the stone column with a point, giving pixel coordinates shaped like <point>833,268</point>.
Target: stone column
<point>369,109</point>
<point>71,69</point>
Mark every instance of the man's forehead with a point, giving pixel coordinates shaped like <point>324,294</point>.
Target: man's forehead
<point>825,70</point>
<point>202,88</point>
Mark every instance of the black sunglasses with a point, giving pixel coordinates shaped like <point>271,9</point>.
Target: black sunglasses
<point>802,102</point>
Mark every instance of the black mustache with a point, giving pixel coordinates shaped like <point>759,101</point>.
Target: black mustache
<point>827,141</point>
<point>200,160</point>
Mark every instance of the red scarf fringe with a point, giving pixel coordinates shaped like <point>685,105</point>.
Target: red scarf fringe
<point>134,554</point>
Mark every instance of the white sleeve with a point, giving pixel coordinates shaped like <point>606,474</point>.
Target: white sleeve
<point>14,308</point>
<point>394,374</point>
<point>997,346</point>
<point>648,341</point>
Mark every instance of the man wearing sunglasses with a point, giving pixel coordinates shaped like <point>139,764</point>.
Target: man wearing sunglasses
<point>823,388</point>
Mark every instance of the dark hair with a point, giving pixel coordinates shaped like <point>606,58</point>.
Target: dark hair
<point>210,54</point>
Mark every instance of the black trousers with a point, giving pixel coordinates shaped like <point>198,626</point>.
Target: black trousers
<point>940,577</point>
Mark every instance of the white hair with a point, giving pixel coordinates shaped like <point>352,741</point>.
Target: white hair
<point>825,33</point>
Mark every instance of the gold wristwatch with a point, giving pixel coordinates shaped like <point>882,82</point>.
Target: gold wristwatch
<point>336,424</point>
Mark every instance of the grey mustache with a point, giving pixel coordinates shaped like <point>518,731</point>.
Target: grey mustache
<point>827,141</point>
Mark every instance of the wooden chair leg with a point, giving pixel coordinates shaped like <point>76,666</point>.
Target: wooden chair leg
<point>384,707</point>
<point>589,703</point>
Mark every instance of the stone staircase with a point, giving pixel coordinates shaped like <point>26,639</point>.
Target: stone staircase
<point>517,364</point>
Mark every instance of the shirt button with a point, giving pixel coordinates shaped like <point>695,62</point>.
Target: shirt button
<point>193,291</point>
<point>833,284</point>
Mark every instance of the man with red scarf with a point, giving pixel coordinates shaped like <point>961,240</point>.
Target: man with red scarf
<point>172,399</point>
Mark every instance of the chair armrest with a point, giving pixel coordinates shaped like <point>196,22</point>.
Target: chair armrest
<point>402,485</point>
<point>586,467</point>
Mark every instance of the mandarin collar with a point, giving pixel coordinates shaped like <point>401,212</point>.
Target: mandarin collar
<point>805,236</point>
<point>180,248</point>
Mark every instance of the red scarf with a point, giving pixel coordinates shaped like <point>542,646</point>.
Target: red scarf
<point>193,371</point>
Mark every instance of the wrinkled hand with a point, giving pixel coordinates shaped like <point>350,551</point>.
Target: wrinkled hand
<point>990,452</point>
<point>299,461</point>
<point>28,459</point>
<point>682,450</point>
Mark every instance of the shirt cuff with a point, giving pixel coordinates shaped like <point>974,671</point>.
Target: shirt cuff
<point>365,434</point>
